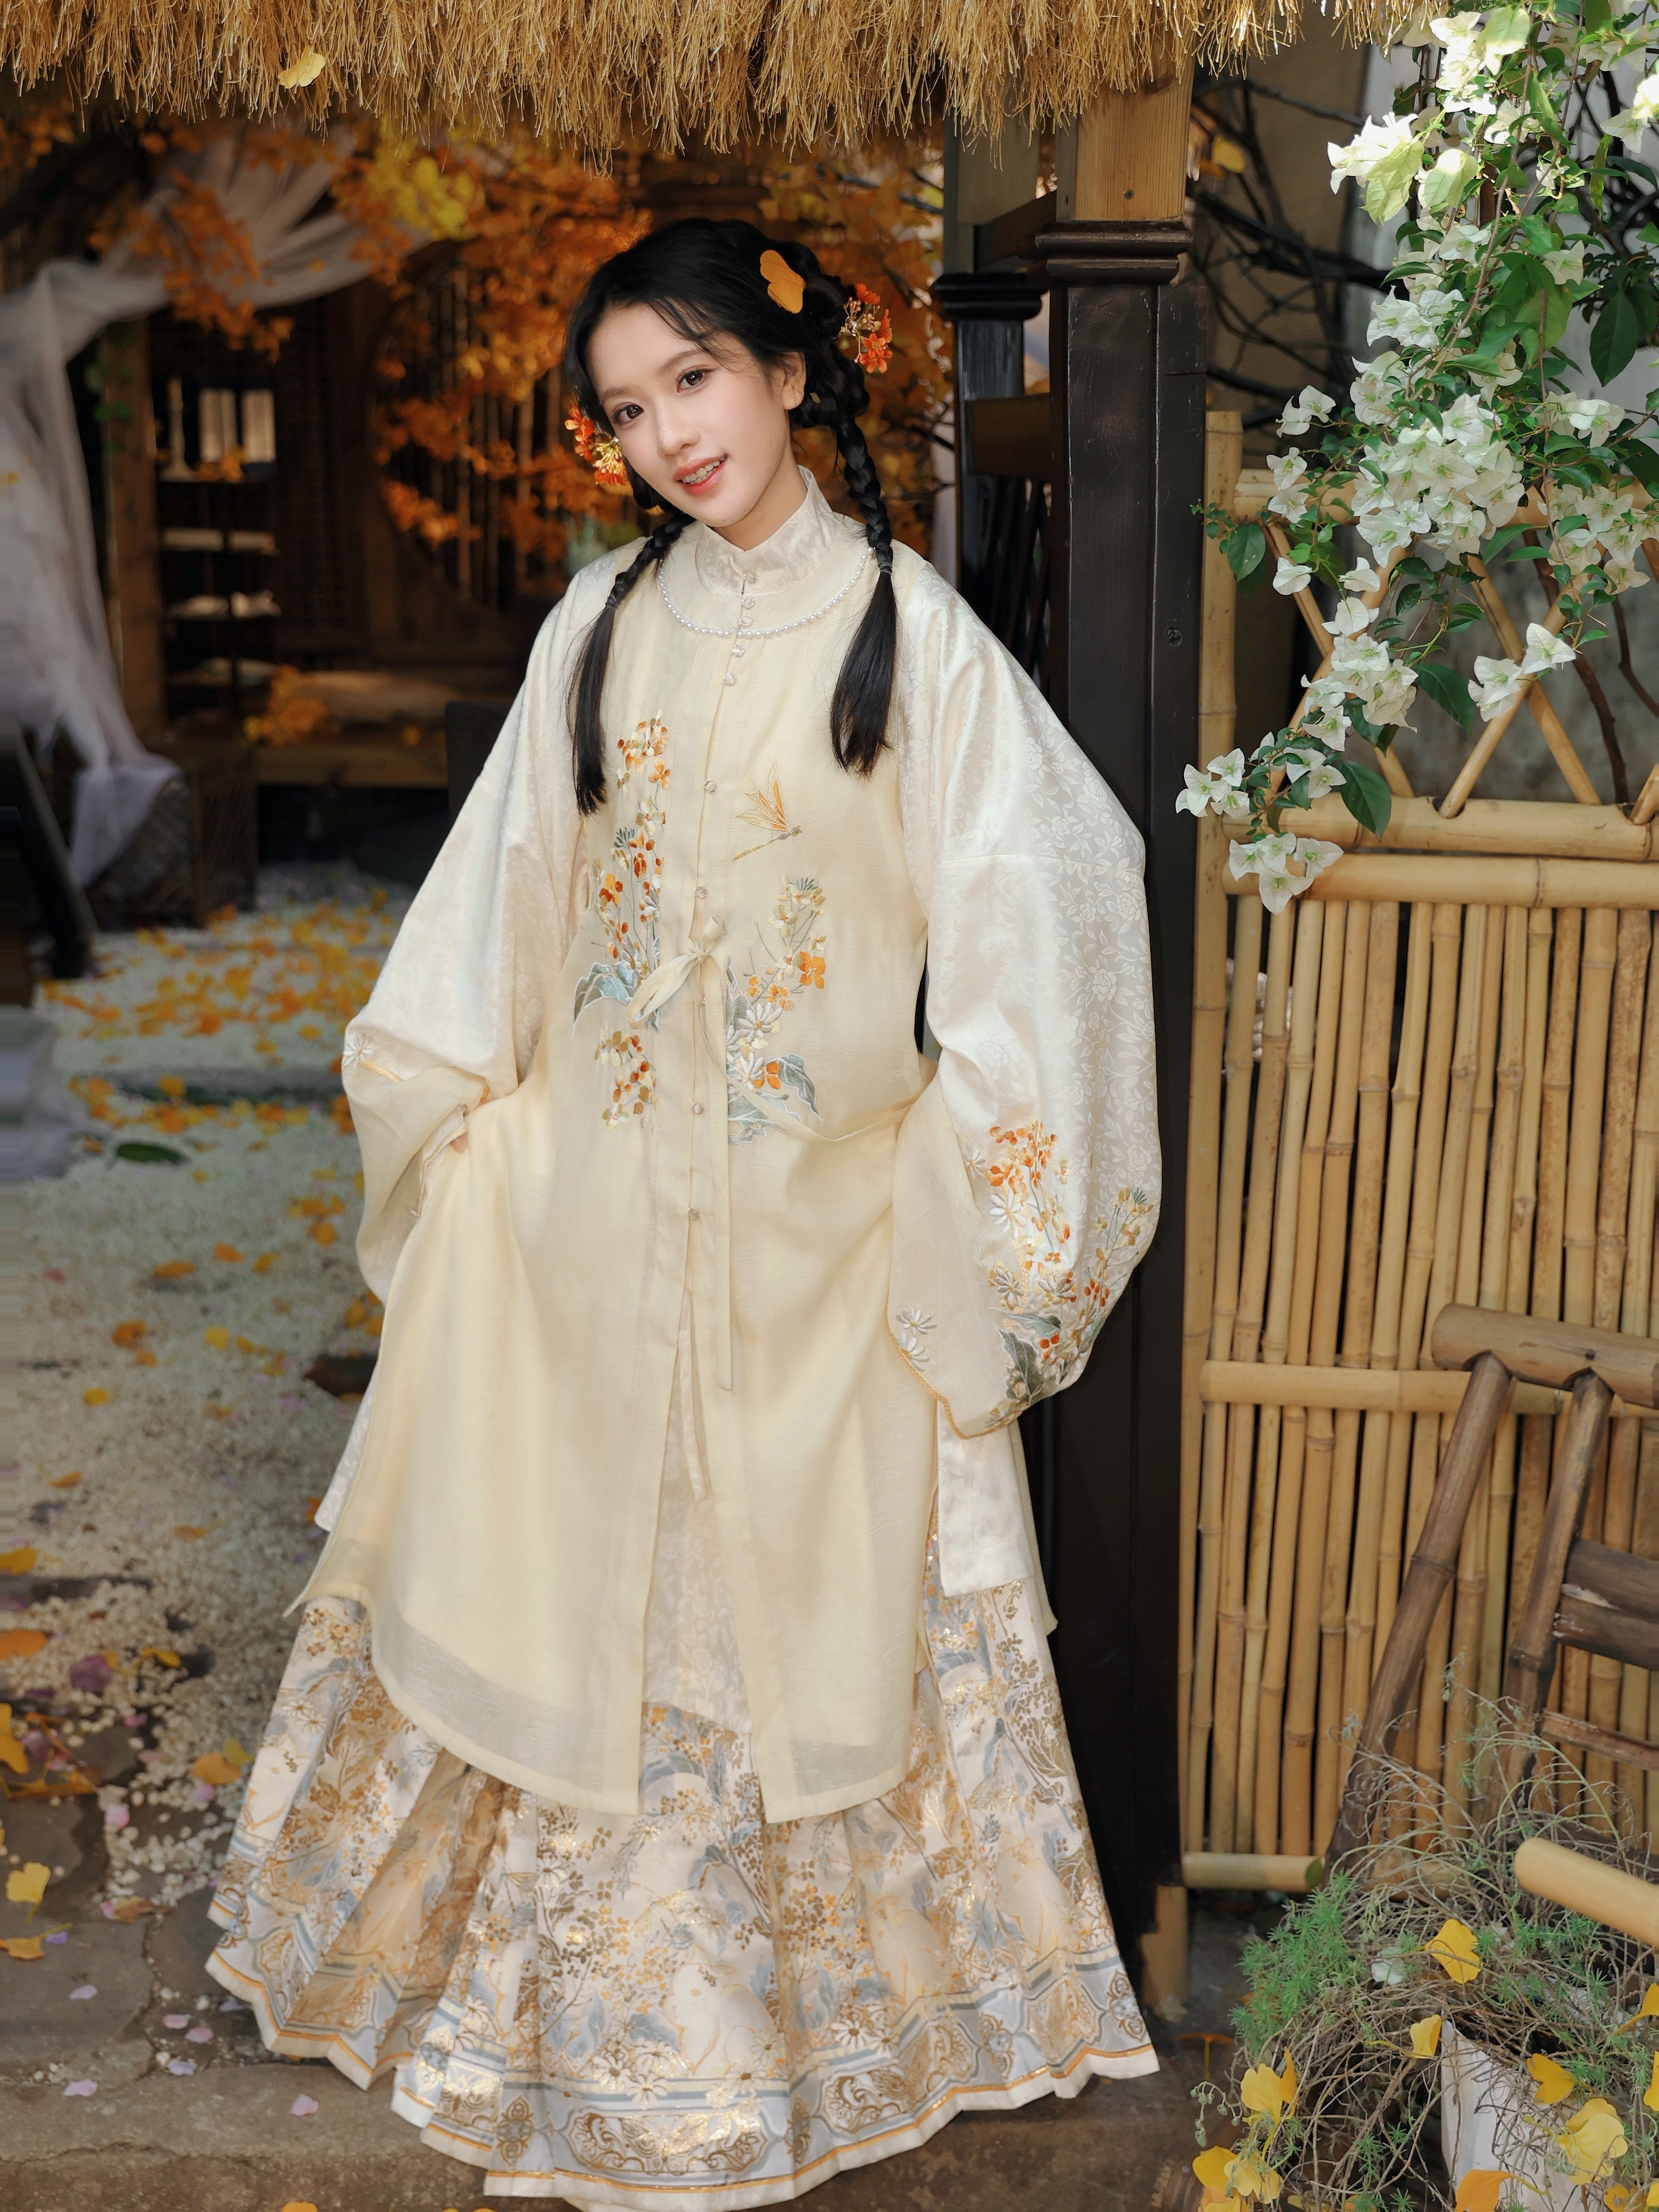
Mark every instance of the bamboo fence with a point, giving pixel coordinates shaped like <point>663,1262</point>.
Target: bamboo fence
<point>1434,1079</point>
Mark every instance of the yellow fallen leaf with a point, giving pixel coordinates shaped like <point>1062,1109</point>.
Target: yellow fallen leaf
<point>200,1174</point>
<point>129,1332</point>
<point>1455,1951</point>
<point>1426,2036</point>
<point>227,1252</point>
<point>22,1643</point>
<point>233,1751</point>
<point>217,1336</point>
<point>165,1658</point>
<point>304,72</point>
<point>20,1562</point>
<point>1552,2080</point>
<point>1592,2140</point>
<point>95,1396</point>
<point>265,1263</point>
<point>188,1534</point>
<point>12,1753</point>
<point>1478,2192</point>
<point>1650,2094</point>
<point>1653,2193</point>
<point>213,1767</point>
<point>171,1271</point>
<point>21,1946</point>
<point>322,1232</point>
<point>1264,2091</point>
<point>1619,2197</point>
<point>66,1481</point>
<point>1246,2178</point>
<point>173,1086</point>
<point>1648,2009</point>
<point>27,1885</point>
<point>1210,2168</point>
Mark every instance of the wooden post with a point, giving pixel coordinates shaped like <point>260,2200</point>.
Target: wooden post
<point>989,309</point>
<point>133,581</point>
<point>1127,333</point>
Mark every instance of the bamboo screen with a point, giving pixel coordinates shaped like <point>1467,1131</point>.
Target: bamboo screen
<point>1436,1081</point>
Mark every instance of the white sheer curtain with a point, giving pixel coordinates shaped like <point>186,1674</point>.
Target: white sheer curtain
<point>57,671</point>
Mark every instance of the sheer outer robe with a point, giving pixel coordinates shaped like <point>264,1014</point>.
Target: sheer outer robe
<point>848,1270</point>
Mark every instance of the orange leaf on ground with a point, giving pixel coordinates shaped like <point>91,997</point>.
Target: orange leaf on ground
<point>19,1562</point>
<point>227,1252</point>
<point>187,1533</point>
<point>172,1086</point>
<point>312,1503</point>
<point>129,1332</point>
<point>171,1270</point>
<point>218,1336</point>
<point>27,1885</point>
<point>215,1768</point>
<point>65,1481</point>
<point>142,1358</point>
<point>166,1658</point>
<point>322,1232</point>
<point>22,1643</point>
<point>21,1946</point>
<point>265,1263</point>
<point>1480,2190</point>
<point>97,1396</point>
<point>12,1753</point>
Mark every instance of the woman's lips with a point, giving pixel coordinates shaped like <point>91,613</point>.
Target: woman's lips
<point>698,484</point>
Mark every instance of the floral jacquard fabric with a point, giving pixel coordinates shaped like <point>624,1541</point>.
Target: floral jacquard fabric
<point>759,1000</point>
<point>693,2007</point>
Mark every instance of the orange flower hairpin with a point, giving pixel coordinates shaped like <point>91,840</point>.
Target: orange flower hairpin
<point>784,285</point>
<point>600,450</point>
<point>867,331</point>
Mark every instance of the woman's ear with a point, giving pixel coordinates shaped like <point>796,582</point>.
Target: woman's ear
<point>791,374</point>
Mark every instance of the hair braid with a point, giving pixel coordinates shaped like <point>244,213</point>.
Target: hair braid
<point>864,689</point>
<point>588,683</point>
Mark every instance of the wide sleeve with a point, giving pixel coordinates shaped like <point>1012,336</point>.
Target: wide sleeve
<point>455,1017</point>
<point>1027,1177</point>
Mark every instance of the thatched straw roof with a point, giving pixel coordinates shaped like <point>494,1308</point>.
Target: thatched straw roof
<point>596,70</point>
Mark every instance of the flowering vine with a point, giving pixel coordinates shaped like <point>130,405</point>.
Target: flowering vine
<point>1467,441</point>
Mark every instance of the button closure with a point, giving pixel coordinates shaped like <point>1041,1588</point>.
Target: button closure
<point>702,890</point>
<point>736,651</point>
<point>709,786</point>
<point>731,675</point>
<point>697,1109</point>
<point>691,1214</point>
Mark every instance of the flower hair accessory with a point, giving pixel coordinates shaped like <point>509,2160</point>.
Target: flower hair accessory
<point>600,450</point>
<point>867,331</point>
<point>783,283</point>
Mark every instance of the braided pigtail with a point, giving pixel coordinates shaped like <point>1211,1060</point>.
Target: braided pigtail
<point>864,689</point>
<point>587,683</point>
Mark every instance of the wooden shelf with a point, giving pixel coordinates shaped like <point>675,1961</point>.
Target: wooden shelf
<point>358,764</point>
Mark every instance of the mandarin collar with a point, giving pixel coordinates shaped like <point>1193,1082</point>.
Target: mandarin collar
<point>786,559</point>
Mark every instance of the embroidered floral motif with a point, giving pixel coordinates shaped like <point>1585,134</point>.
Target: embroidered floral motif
<point>1053,1317</point>
<point>913,1328</point>
<point>626,892</point>
<point>755,1004</point>
<point>764,810</point>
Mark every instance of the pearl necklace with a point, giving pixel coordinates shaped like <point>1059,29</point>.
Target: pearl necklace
<point>685,622</point>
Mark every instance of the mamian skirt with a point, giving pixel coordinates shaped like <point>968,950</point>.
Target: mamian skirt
<point>688,2006</point>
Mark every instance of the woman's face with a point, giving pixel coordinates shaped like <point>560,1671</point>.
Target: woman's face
<point>704,424</point>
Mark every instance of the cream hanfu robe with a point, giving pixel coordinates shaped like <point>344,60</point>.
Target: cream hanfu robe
<point>669,1782</point>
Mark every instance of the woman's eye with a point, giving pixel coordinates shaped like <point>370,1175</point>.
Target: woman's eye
<point>692,378</point>
<point>622,413</point>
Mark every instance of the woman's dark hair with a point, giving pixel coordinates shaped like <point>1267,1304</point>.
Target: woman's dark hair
<point>704,279</point>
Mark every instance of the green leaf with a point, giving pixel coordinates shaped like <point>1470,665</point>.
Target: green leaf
<point>1450,181</point>
<point>1507,31</point>
<point>1388,186</point>
<point>1366,795</point>
<point>149,1155</point>
<point>1595,15</point>
<point>1447,690</point>
<point>1615,338</point>
<point>1246,549</point>
<point>1642,462</point>
<point>1558,313</point>
<point>1465,612</point>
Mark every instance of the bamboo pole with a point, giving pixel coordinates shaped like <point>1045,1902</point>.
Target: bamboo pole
<point>1556,829</point>
<point>1637,1717</point>
<point>1394,1125</point>
<point>1241,1441</point>
<point>1301,1685</point>
<point>1549,722</point>
<point>1372,1389</point>
<point>1275,1351</point>
<point>1237,1072</point>
<point>1264,1169</point>
<point>1554,1114</point>
<point>1506,1142</point>
<point>1335,1262</point>
<point>1577,777</point>
<point>1591,1886</point>
<point>1531,1450</point>
<point>1491,879</point>
<point>1250,1870</point>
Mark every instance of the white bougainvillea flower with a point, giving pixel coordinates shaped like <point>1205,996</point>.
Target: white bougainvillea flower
<point>1251,854</point>
<point>1291,498</point>
<point>1464,241</point>
<point>1496,683</point>
<point>1594,419</point>
<point>1565,264</point>
<point>1362,577</point>
<point>1322,713</point>
<point>1320,770</point>
<point>1544,650</point>
<point>1376,141</point>
<point>1640,116</point>
<point>1352,616</point>
<point>1311,406</point>
<point>1402,320</point>
<point>1309,857</point>
<point>1216,788</point>
<point>1291,576</point>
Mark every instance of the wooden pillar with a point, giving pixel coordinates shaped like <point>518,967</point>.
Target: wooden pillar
<point>1127,324</point>
<point>133,581</point>
<point>989,310</point>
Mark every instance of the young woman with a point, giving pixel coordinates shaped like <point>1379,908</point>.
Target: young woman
<point>669,1785</point>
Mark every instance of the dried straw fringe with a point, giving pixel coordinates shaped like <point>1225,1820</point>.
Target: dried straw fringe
<point>598,71</point>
